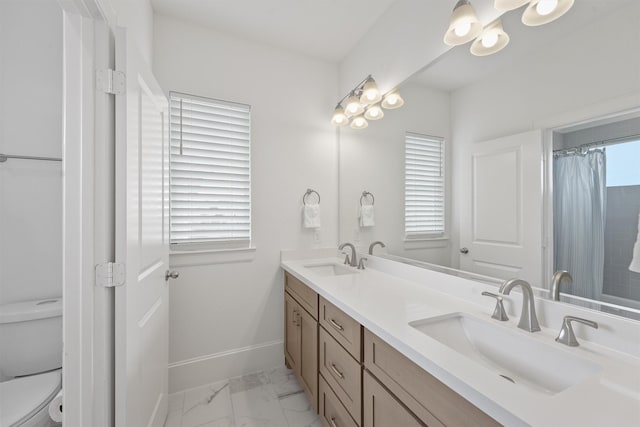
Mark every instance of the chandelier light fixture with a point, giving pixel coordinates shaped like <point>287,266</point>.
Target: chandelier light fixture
<point>540,12</point>
<point>464,25</point>
<point>364,102</point>
<point>492,40</point>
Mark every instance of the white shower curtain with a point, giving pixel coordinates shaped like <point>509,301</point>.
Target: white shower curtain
<point>579,220</point>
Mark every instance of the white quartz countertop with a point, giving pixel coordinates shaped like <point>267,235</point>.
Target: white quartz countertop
<point>385,304</point>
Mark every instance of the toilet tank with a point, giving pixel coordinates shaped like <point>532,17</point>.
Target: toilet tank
<point>30,337</point>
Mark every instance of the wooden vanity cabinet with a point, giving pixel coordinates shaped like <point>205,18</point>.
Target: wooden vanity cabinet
<point>432,402</point>
<point>301,335</point>
<point>381,408</point>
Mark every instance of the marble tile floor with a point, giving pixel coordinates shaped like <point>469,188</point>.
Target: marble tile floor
<point>272,398</point>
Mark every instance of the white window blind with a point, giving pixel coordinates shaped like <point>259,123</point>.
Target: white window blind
<point>210,187</point>
<point>424,186</point>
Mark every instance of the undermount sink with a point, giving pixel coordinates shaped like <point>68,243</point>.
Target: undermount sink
<point>510,354</point>
<point>330,269</point>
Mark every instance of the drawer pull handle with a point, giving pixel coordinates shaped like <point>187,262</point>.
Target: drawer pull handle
<point>332,420</point>
<point>338,373</point>
<point>336,325</point>
<point>295,317</point>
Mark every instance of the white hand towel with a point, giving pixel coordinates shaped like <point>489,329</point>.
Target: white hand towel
<point>367,216</point>
<point>311,215</point>
<point>635,260</point>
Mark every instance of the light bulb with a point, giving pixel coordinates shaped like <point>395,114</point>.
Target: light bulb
<point>374,112</point>
<point>353,105</point>
<point>392,100</point>
<point>462,29</point>
<point>339,118</point>
<point>545,7</point>
<point>359,123</point>
<point>370,93</point>
<point>490,39</point>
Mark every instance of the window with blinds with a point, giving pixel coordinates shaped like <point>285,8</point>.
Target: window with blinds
<point>210,173</point>
<point>424,186</point>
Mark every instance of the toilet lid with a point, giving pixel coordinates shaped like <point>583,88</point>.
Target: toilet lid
<point>22,397</point>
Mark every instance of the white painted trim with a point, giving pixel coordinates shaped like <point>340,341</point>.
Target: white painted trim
<point>210,257</point>
<point>201,370</point>
<point>87,238</point>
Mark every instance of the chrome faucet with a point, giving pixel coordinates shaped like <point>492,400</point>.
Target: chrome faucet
<point>557,279</point>
<point>353,261</point>
<point>566,335</point>
<point>371,246</point>
<point>528,320</point>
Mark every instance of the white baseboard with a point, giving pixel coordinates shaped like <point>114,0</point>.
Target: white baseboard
<point>207,369</point>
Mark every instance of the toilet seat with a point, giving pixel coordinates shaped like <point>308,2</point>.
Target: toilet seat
<point>23,397</point>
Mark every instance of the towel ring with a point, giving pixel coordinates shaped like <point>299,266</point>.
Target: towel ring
<point>365,196</point>
<point>308,193</point>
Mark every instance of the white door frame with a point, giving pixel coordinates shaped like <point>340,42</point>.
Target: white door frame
<point>87,378</point>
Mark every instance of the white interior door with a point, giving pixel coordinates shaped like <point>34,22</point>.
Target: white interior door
<point>501,219</point>
<point>142,310</point>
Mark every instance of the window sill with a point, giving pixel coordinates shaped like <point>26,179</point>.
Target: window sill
<point>426,243</point>
<point>178,258</point>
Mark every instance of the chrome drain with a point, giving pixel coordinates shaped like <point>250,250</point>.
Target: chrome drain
<point>507,378</point>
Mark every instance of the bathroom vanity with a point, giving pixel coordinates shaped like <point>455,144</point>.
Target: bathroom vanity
<point>398,345</point>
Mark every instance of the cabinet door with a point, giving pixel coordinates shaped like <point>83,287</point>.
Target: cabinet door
<point>382,409</point>
<point>308,366</point>
<point>291,332</point>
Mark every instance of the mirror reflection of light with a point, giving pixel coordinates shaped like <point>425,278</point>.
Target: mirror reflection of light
<point>462,28</point>
<point>545,7</point>
<point>490,39</point>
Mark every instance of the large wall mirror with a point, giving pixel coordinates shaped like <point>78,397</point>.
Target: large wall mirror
<point>557,87</point>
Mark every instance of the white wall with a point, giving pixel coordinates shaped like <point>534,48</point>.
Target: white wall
<point>592,72</point>
<point>30,124</point>
<point>226,318</point>
<point>372,159</point>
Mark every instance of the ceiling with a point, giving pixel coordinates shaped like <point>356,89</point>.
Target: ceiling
<point>325,29</point>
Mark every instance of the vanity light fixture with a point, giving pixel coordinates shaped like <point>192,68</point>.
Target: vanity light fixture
<point>507,5</point>
<point>374,112</point>
<point>370,92</point>
<point>492,40</point>
<point>339,117</point>
<point>392,100</point>
<point>359,122</point>
<point>463,26</point>
<point>354,107</point>
<point>364,102</point>
<point>540,12</point>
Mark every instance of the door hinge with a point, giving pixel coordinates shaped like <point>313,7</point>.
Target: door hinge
<point>110,274</point>
<point>111,81</point>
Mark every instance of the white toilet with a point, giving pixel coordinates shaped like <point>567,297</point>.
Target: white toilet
<point>30,361</point>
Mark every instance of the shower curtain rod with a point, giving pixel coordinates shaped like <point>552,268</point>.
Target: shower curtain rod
<point>4,157</point>
<point>602,143</point>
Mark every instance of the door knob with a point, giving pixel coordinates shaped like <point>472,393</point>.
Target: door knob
<point>170,275</point>
<point>464,251</point>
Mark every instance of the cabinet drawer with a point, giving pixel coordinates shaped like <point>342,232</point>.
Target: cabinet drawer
<point>427,397</point>
<point>382,409</point>
<point>342,373</point>
<point>332,413</point>
<point>306,296</point>
<point>342,327</point>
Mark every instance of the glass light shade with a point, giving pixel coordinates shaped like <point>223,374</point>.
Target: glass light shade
<point>463,26</point>
<point>359,122</point>
<point>492,40</point>
<point>392,100</point>
<point>370,92</point>
<point>374,112</point>
<point>540,12</point>
<point>339,117</point>
<point>507,5</point>
<point>353,106</point>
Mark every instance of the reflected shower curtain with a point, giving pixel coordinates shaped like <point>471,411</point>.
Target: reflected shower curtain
<point>579,220</point>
